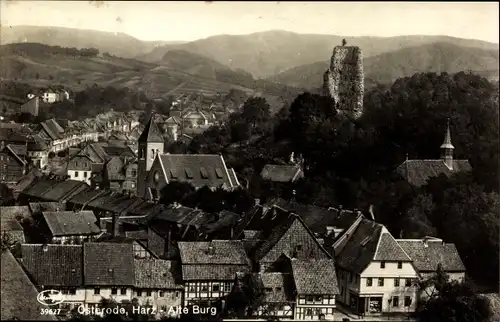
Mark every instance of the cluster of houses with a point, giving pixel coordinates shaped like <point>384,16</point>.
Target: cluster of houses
<point>93,242</point>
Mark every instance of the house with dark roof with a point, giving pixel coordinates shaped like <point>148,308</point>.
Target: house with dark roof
<point>56,267</point>
<point>158,283</point>
<point>80,168</point>
<point>13,164</point>
<point>12,230</point>
<point>209,268</point>
<point>51,190</point>
<point>108,270</point>
<point>197,169</point>
<point>375,274</point>
<point>418,172</point>
<point>282,173</point>
<point>18,300</point>
<point>315,288</point>
<point>120,175</point>
<point>69,227</point>
<point>428,254</point>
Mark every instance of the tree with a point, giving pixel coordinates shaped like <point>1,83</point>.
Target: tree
<point>6,195</point>
<point>175,191</point>
<point>344,42</point>
<point>246,297</point>
<point>6,241</point>
<point>240,131</point>
<point>451,301</point>
<point>256,111</point>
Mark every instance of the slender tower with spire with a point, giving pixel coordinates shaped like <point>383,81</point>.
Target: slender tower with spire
<point>447,148</point>
<point>150,145</point>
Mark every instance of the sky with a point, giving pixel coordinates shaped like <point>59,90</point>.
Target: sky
<point>187,21</point>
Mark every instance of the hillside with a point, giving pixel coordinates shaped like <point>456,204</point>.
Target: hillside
<point>178,73</point>
<point>385,68</point>
<point>119,44</point>
<point>268,53</point>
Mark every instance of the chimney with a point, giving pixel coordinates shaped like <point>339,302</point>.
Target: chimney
<point>256,202</point>
<point>45,247</point>
<point>211,249</point>
<point>329,230</point>
<point>425,243</point>
<point>372,215</point>
<point>292,159</point>
<point>114,225</point>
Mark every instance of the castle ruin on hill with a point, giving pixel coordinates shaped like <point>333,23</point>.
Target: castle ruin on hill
<point>344,80</point>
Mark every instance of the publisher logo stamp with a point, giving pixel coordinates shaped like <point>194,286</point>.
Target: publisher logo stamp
<point>50,297</point>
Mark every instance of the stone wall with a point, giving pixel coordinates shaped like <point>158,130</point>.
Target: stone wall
<point>344,80</point>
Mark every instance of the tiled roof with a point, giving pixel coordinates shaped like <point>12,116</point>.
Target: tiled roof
<point>55,190</point>
<point>18,149</point>
<point>64,190</point>
<point>418,172</point>
<point>229,252</point>
<point>290,237</point>
<point>225,219</point>
<point>315,218</point>
<point>212,272</point>
<point>315,277</point>
<point>198,169</point>
<point>427,255</point>
<point>53,129</point>
<point>80,162</point>
<point>85,196</point>
<point>20,159</point>
<point>8,224</point>
<point>39,207</point>
<point>19,295</point>
<point>108,264</point>
<point>281,173</point>
<point>151,132</point>
<point>156,273</point>
<point>370,241</point>
<point>278,287</point>
<point>53,265</point>
<point>15,212</point>
<point>69,223</point>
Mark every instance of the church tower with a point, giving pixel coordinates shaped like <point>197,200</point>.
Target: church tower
<point>447,148</point>
<point>150,145</point>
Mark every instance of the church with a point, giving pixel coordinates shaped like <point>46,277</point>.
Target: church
<point>418,172</point>
<point>157,169</point>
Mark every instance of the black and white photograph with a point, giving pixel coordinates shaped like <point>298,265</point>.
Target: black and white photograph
<point>249,161</point>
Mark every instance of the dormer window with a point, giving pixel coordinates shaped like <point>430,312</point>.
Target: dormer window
<point>204,173</point>
<point>173,174</point>
<point>189,173</point>
<point>218,172</point>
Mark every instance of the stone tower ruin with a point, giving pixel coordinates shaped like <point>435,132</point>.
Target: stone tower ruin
<point>344,80</point>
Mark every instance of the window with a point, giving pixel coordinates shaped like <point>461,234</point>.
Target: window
<point>152,154</point>
<point>204,173</point>
<point>369,281</point>
<point>407,301</point>
<point>381,281</point>
<point>134,173</point>
<point>395,301</point>
<point>192,287</point>
<point>132,185</point>
<point>64,291</point>
<point>218,172</point>
<point>86,164</point>
<point>408,282</point>
<point>161,294</point>
<point>204,287</point>
<point>176,294</point>
<point>148,293</point>
<point>189,174</point>
<point>123,291</point>
<point>396,282</point>
<point>76,173</point>
<point>227,286</point>
<point>318,299</point>
<point>72,291</point>
<point>216,288</point>
<point>97,291</point>
<point>382,264</point>
<point>268,290</point>
<point>139,293</point>
<point>309,299</point>
<point>400,265</point>
<point>173,174</point>
<point>85,174</point>
<point>114,291</point>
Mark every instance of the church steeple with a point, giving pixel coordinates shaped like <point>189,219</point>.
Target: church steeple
<point>447,148</point>
<point>151,133</point>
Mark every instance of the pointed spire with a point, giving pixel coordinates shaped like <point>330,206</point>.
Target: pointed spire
<point>151,132</point>
<point>447,139</point>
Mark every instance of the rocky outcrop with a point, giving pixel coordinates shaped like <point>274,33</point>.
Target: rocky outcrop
<point>344,80</point>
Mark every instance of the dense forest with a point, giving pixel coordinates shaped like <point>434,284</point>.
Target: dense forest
<point>352,163</point>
